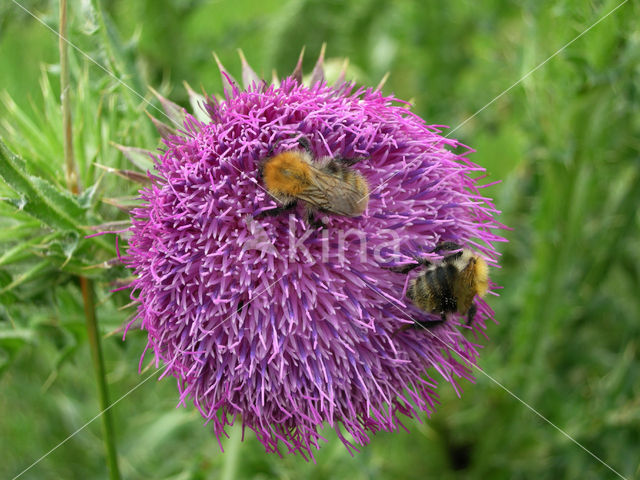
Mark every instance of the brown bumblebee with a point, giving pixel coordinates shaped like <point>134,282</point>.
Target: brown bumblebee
<point>450,285</point>
<point>324,184</point>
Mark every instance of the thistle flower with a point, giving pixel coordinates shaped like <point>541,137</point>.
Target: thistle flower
<point>275,322</point>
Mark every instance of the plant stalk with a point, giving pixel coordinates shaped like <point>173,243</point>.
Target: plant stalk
<point>71,173</point>
<point>101,377</point>
<point>86,285</point>
<point>232,454</point>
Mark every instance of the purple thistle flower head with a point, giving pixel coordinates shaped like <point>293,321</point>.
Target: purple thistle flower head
<point>278,323</point>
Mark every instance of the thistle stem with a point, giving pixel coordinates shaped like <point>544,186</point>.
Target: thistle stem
<point>86,285</point>
<point>70,171</point>
<point>232,454</point>
<point>98,366</point>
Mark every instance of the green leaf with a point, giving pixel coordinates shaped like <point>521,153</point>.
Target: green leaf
<point>6,298</point>
<point>16,334</point>
<point>30,274</point>
<point>85,199</point>
<point>119,59</point>
<point>24,229</point>
<point>11,341</point>
<point>65,243</point>
<point>38,197</point>
<point>24,249</point>
<point>60,198</point>
<point>21,125</point>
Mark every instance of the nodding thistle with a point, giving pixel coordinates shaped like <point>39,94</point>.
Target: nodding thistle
<point>278,323</point>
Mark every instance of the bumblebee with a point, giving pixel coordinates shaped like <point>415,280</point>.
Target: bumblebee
<point>450,285</point>
<point>324,184</point>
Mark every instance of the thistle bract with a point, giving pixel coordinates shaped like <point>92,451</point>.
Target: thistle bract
<point>282,325</point>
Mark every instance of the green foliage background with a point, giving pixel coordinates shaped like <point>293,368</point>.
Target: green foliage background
<point>565,142</point>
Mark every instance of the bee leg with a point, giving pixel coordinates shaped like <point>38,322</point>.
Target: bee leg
<point>274,212</point>
<point>348,162</point>
<point>429,324</point>
<point>403,328</point>
<point>403,268</point>
<point>313,221</point>
<point>472,313</point>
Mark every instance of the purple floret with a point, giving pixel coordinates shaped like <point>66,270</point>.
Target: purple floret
<point>288,341</point>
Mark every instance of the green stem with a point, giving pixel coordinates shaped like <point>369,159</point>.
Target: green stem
<point>232,453</point>
<point>70,171</point>
<point>98,366</point>
<point>86,285</point>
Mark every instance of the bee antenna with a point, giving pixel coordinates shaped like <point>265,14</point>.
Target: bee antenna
<point>448,246</point>
<point>279,140</point>
<point>422,261</point>
<point>348,162</point>
<point>305,143</point>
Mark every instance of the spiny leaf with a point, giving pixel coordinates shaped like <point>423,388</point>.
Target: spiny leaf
<point>24,249</point>
<point>30,274</point>
<point>66,243</point>
<point>20,230</point>
<point>20,124</point>
<point>85,199</point>
<point>116,52</point>
<point>61,198</point>
<point>11,341</point>
<point>42,200</point>
<point>6,298</point>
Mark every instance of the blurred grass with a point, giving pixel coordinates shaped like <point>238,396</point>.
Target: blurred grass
<point>565,142</point>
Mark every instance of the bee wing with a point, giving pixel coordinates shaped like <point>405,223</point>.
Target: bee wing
<point>332,194</point>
